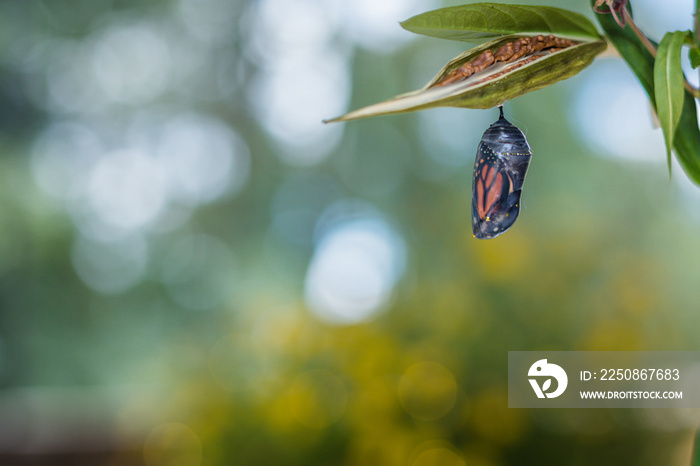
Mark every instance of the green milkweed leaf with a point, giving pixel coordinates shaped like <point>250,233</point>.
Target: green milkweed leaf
<point>694,56</point>
<point>668,86</point>
<point>480,22</point>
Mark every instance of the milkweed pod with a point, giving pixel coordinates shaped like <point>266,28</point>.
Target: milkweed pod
<point>501,163</point>
<point>493,73</point>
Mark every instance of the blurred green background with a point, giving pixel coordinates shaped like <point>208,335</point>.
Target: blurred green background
<point>195,271</point>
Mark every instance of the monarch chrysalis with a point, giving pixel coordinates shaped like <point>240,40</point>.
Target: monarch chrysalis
<point>499,172</point>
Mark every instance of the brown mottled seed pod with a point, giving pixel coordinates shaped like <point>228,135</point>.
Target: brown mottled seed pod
<point>458,84</point>
<point>482,62</point>
<point>510,68</point>
<point>510,52</point>
<point>522,48</point>
<point>504,53</point>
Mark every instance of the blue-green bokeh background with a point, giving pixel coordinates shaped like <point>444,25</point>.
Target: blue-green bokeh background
<point>194,270</point>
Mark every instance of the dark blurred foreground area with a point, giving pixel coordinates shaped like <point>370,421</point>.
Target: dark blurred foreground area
<point>195,271</point>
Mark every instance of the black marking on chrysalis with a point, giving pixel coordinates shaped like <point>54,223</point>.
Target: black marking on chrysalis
<point>499,172</point>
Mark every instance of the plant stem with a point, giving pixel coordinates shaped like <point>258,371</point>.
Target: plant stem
<point>695,92</point>
<point>645,40</point>
<point>696,26</point>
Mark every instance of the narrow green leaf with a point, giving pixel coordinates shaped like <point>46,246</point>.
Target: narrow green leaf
<point>687,140</point>
<point>687,137</point>
<point>694,57</point>
<point>476,92</point>
<point>480,22</point>
<point>668,86</point>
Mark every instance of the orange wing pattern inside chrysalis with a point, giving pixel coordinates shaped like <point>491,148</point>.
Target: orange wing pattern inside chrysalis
<point>489,186</point>
<point>494,191</point>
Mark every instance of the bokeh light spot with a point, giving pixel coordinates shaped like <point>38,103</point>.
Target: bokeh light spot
<point>127,189</point>
<point>304,77</point>
<point>301,25</point>
<point>203,158</point>
<point>131,63</point>
<point>293,98</point>
<point>373,24</point>
<point>493,420</point>
<point>111,267</point>
<point>438,456</point>
<point>353,271</point>
<point>437,452</point>
<point>427,391</point>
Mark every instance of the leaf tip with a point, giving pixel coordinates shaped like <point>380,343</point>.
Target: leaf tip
<point>325,121</point>
<point>406,25</point>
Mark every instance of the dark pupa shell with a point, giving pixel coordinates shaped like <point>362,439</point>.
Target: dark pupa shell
<point>499,172</point>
